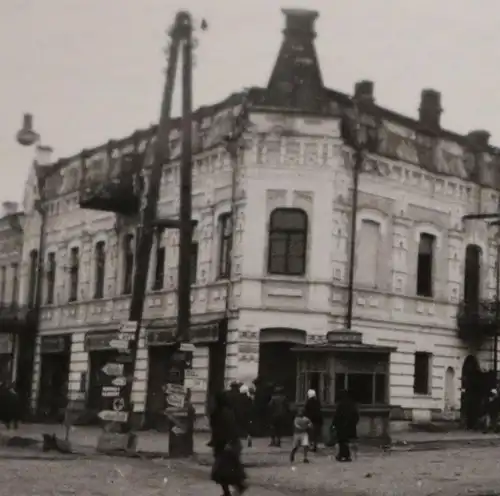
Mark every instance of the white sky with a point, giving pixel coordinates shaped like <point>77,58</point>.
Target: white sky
<point>92,70</point>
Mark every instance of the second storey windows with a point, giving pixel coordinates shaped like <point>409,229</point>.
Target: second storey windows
<point>287,242</point>
<point>74,273</point>
<point>100,269</point>
<point>51,278</point>
<point>128,263</point>
<point>425,264</point>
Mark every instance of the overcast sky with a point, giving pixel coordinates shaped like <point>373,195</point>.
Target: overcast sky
<point>92,70</point>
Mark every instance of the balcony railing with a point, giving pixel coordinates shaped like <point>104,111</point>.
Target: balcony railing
<point>112,185</point>
<point>477,320</point>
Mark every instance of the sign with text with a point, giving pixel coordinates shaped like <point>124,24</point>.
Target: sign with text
<point>110,392</point>
<point>113,369</point>
<point>128,327</point>
<point>175,400</point>
<point>119,381</point>
<point>113,416</point>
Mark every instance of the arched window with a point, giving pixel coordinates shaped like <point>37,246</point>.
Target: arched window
<point>287,242</point>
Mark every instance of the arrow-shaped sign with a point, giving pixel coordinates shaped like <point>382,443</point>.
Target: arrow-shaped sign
<point>113,369</point>
<point>119,344</point>
<point>119,381</point>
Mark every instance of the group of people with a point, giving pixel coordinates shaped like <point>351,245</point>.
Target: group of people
<point>236,413</point>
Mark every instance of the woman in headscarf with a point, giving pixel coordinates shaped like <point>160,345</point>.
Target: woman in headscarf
<point>312,411</point>
<point>227,469</point>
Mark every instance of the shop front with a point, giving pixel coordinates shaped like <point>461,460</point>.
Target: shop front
<point>100,353</point>
<point>55,357</point>
<point>164,364</point>
<point>344,363</point>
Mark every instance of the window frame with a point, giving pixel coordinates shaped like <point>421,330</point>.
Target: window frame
<point>225,245</point>
<point>426,292</point>
<point>33,274</point>
<point>287,233</point>
<point>158,282</point>
<point>427,390</point>
<point>99,270</point>
<point>74,269</point>
<point>128,250</point>
<point>50,276</point>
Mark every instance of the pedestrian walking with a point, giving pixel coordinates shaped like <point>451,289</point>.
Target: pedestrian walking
<point>312,410</point>
<point>227,470</point>
<point>278,412</point>
<point>301,428</point>
<point>345,420</point>
<point>492,410</point>
<point>246,415</point>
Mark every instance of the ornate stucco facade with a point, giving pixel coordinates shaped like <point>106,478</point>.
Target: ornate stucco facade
<point>417,179</point>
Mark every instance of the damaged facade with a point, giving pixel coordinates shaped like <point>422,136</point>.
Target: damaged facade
<point>271,250</point>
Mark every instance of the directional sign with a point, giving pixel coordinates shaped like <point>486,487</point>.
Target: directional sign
<point>119,381</point>
<point>112,416</point>
<point>191,374</point>
<point>174,389</point>
<point>187,347</point>
<point>178,430</point>
<point>110,392</point>
<point>125,336</point>
<point>118,404</point>
<point>113,369</point>
<point>119,344</point>
<point>176,400</point>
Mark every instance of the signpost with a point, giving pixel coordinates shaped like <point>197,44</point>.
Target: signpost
<point>113,392</point>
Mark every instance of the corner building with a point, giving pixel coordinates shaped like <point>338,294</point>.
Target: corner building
<point>271,249</point>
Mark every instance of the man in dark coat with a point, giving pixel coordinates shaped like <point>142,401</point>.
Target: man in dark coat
<point>278,414</point>
<point>10,407</point>
<point>345,420</point>
<point>312,411</point>
<point>227,469</point>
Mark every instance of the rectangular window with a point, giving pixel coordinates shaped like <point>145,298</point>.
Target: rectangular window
<point>194,262</point>
<point>225,242</point>
<point>367,254</point>
<point>421,377</point>
<point>100,269</point>
<point>3,283</point>
<point>366,388</point>
<point>33,269</point>
<point>51,278</point>
<point>159,275</point>
<point>128,263</point>
<point>313,374</point>
<point>425,265</point>
<point>74,269</point>
<point>15,282</point>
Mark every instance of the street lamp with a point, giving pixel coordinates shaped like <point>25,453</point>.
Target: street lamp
<point>357,137</point>
<point>27,137</point>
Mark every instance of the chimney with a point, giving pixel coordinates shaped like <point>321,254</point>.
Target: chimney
<point>9,208</point>
<point>363,92</point>
<point>430,109</point>
<point>300,22</point>
<point>43,155</point>
<point>478,139</point>
<point>296,81</point>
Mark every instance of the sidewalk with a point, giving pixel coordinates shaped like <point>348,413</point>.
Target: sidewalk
<point>153,443</point>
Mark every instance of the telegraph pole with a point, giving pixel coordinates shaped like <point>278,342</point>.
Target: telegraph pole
<point>181,37</point>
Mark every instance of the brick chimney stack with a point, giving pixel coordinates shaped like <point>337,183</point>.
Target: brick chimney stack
<point>479,139</point>
<point>296,81</point>
<point>430,109</point>
<point>364,92</point>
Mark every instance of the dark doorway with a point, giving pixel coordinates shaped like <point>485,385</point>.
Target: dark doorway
<point>472,275</point>
<point>5,368</point>
<point>277,366</point>
<point>157,379</point>
<point>53,392</point>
